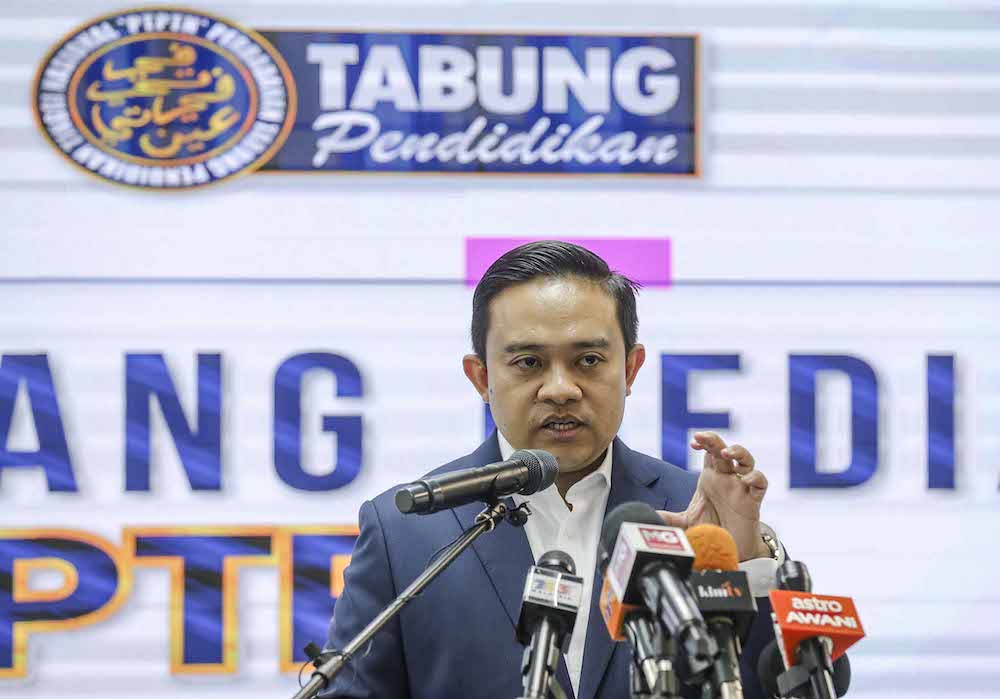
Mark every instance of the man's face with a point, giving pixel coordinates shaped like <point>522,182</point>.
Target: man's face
<point>556,372</point>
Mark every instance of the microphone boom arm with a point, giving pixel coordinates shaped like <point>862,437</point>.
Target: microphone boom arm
<point>486,521</point>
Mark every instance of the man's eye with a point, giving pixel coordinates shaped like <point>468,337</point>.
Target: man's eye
<point>527,363</point>
<point>591,360</point>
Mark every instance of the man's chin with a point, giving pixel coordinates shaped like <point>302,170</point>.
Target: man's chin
<point>570,457</point>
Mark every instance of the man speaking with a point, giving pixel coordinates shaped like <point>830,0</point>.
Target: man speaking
<point>555,355</point>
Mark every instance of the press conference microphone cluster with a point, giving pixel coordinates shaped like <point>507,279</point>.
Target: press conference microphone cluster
<point>552,596</point>
<point>812,634</point>
<point>646,566</point>
<point>527,471</point>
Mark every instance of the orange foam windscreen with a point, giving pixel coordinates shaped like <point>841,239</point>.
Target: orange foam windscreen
<point>714,548</point>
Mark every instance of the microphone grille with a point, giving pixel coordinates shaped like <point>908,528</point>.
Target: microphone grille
<point>542,469</point>
<point>842,675</point>
<point>557,560</point>
<point>793,575</point>
<point>769,666</point>
<point>638,512</point>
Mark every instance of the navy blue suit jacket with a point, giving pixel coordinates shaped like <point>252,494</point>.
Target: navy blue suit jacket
<point>457,638</point>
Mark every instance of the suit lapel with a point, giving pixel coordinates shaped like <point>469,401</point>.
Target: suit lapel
<point>504,552</point>
<point>631,480</point>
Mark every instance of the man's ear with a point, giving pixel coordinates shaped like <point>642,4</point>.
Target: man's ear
<point>633,362</point>
<point>475,370</point>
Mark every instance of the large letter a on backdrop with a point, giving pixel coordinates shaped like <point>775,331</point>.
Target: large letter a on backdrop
<point>53,453</point>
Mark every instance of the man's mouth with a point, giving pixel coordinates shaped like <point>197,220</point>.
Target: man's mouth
<point>562,426</point>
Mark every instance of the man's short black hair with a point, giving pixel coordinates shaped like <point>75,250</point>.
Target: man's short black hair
<point>552,258</point>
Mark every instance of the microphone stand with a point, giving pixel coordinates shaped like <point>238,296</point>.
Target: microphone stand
<point>656,678</point>
<point>812,676</point>
<point>538,669</point>
<point>486,521</point>
<point>665,687</point>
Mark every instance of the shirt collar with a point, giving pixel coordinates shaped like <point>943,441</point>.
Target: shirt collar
<point>603,471</point>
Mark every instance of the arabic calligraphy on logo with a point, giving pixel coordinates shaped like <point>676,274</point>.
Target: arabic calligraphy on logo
<point>165,99</point>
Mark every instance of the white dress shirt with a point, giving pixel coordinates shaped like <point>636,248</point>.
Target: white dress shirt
<point>552,525</point>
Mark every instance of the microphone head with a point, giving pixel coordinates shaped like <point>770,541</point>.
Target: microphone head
<point>793,575</point>
<point>770,665</point>
<point>557,560</point>
<point>542,469</point>
<point>841,675</point>
<point>714,548</point>
<point>552,592</point>
<point>638,512</point>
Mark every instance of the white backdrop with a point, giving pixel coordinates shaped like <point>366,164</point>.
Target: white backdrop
<point>847,206</point>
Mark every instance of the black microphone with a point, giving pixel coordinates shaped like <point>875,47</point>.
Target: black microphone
<point>649,564</point>
<point>814,652</point>
<point>810,630</point>
<point>770,666</point>
<point>526,471</point>
<point>552,596</point>
<point>652,671</point>
<point>723,594</point>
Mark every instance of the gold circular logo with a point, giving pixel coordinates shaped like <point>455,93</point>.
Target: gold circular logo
<point>165,98</point>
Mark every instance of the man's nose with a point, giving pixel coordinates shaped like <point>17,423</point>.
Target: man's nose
<point>559,387</point>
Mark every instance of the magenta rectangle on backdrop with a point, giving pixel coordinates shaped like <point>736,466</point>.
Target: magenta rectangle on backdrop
<point>645,260</point>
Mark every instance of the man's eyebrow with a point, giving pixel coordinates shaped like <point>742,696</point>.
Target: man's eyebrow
<point>595,343</point>
<point>524,347</point>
